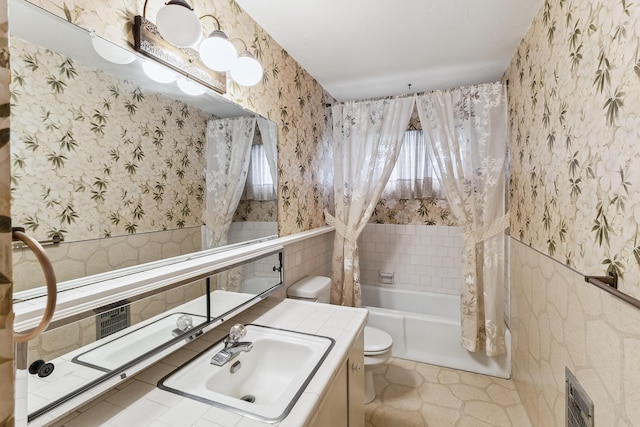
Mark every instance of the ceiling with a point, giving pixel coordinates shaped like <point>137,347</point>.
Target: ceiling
<point>362,49</point>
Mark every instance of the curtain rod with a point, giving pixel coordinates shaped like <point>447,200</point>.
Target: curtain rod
<point>505,82</point>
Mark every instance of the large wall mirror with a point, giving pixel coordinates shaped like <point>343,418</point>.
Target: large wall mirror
<point>127,173</point>
<point>123,169</point>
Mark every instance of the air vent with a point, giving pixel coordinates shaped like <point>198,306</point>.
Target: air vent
<point>579,405</point>
<point>114,318</point>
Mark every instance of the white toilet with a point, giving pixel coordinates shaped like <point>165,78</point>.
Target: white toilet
<point>311,288</point>
<point>377,343</point>
<point>377,350</point>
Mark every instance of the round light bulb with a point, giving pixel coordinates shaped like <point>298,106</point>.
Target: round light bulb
<point>111,52</point>
<point>178,24</point>
<point>217,52</point>
<point>158,73</point>
<point>246,71</point>
<point>190,87</point>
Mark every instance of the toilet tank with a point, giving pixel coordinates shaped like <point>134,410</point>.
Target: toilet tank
<point>311,288</point>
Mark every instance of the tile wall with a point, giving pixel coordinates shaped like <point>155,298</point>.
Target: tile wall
<point>422,257</point>
<point>85,258</point>
<point>558,320</point>
<point>311,257</point>
<point>241,231</point>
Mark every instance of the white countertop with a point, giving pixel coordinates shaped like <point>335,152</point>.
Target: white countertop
<point>139,402</point>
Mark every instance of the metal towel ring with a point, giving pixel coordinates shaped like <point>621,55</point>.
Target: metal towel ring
<point>50,278</point>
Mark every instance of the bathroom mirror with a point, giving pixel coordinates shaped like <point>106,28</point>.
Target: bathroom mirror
<point>117,340</point>
<point>112,162</point>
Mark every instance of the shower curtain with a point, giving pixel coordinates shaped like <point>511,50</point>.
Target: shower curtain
<point>366,140</point>
<point>227,154</point>
<point>465,130</point>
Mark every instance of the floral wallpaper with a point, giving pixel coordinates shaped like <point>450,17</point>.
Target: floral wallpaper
<point>256,210</point>
<point>413,211</point>
<point>288,95</point>
<point>574,92</point>
<point>120,161</point>
<point>7,373</point>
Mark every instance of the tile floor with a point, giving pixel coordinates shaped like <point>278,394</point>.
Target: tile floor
<point>412,394</point>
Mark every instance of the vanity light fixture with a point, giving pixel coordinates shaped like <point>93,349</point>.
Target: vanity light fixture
<point>158,73</point>
<point>190,87</point>
<point>111,52</point>
<point>246,70</point>
<point>216,51</point>
<point>177,23</point>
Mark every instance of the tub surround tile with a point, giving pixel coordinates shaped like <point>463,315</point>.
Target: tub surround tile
<point>421,257</point>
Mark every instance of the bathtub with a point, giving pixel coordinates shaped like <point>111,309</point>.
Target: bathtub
<point>425,327</point>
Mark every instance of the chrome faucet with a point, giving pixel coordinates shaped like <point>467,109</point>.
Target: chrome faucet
<point>232,346</point>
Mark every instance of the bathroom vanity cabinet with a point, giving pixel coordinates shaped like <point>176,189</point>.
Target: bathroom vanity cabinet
<point>333,397</point>
<point>343,404</point>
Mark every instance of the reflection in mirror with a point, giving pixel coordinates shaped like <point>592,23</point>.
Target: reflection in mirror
<point>110,161</point>
<point>87,351</point>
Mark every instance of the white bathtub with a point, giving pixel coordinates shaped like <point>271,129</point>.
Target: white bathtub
<point>425,327</point>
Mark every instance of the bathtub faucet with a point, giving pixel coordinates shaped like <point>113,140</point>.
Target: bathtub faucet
<point>232,346</point>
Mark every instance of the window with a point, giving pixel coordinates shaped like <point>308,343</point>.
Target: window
<point>413,176</point>
<point>259,185</point>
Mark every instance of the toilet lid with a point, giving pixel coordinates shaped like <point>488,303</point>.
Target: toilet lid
<point>376,339</point>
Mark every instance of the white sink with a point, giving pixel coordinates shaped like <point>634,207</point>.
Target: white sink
<point>116,350</point>
<point>265,384</point>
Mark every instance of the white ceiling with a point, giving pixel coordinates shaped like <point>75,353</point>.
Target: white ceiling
<point>362,49</point>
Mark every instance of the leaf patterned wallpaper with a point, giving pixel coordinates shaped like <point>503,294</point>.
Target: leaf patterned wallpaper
<point>574,92</point>
<point>288,95</point>
<point>110,162</point>
<point>413,211</point>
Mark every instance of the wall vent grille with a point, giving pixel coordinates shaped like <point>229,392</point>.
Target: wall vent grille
<point>579,405</point>
<point>114,318</point>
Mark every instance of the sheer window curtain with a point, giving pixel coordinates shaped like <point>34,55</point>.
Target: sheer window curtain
<point>413,176</point>
<point>227,154</point>
<point>466,134</point>
<point>366,140</point>
<point>259,185</point>
<point>269,132</point>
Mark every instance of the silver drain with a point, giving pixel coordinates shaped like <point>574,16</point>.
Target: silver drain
<point>248,398</point>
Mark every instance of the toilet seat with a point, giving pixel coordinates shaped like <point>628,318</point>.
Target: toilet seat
<point>376,341</point>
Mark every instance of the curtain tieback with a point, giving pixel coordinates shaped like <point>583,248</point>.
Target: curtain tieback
<point>471,237</point>
<point>341,228</point>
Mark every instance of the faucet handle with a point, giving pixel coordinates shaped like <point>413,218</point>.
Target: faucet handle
<point>237,332</point>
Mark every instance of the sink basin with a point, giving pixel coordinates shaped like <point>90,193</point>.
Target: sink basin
<point>120,349</point>
<point>264,383</point>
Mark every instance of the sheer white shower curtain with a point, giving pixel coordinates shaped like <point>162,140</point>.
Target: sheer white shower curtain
<point>466,132</point>
<point>227,153</point>
<point>366,139</point>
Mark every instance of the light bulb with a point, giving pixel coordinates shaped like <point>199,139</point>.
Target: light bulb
<point>246,71</point>
<point>190,87</point>
<point>158,73</point>
<point>111,52</point>
<point>178,24</point>
<point>217,52</point>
